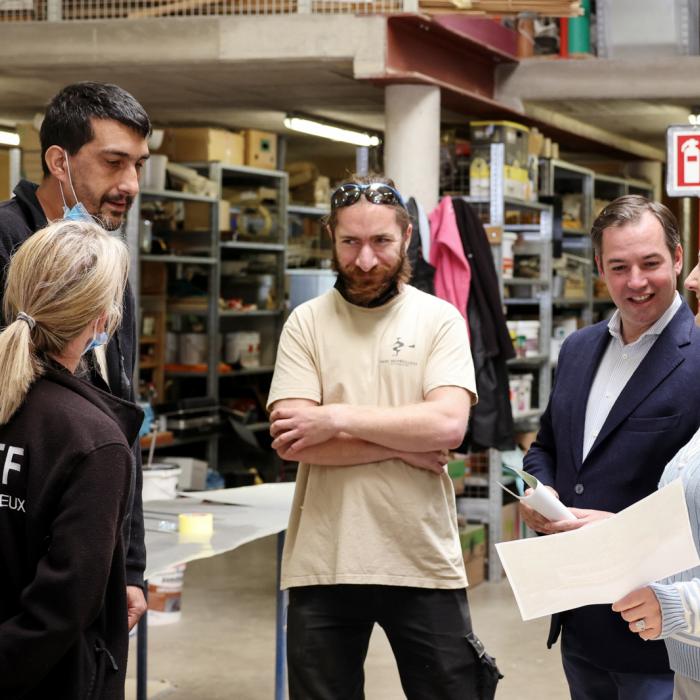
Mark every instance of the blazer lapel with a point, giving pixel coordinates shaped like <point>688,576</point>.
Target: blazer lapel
<point>587,365</point>
<point>659,362</point>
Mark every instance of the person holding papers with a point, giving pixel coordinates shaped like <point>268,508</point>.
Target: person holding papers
<point>619,410</point>
<point>670,609</point>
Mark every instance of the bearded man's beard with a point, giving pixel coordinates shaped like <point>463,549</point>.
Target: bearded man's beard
<point>362,288</point>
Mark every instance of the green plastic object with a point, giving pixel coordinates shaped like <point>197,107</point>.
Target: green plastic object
<point>580,30</point>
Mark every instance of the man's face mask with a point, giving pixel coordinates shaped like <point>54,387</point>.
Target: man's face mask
<point>78,212</point>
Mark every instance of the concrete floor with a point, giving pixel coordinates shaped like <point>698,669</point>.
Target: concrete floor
<point>224,646</point>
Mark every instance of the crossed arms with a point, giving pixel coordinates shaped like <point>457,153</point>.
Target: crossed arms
<point>344,435</point>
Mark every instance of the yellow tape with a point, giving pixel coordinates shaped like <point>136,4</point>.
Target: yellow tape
<point>196,527</point>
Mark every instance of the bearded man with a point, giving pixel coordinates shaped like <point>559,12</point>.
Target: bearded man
<point>373,384</point>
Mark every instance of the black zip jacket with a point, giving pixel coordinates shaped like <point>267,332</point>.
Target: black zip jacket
<point>20,217</point>
<point>65,468</point>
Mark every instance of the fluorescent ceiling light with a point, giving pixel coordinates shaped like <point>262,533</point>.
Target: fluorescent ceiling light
<point>334,133</point>
<point>9,138</point>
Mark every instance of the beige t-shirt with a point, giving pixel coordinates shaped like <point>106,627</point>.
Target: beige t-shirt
<point>382,523</point>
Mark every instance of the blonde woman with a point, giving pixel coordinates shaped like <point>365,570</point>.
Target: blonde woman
<point>65,467</point>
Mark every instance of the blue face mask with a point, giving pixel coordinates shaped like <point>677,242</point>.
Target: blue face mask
<point>77,212</point>
<point>98,339</point>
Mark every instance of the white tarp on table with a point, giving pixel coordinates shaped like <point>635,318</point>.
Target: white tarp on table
<point>241,515</point>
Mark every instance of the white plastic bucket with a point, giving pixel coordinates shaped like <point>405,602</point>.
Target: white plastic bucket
<point>507,264</point>
<point>160,482</point>
<point>243,348</point>
<point>193,348</point>
<point>530,332</point>
<point>165,596</point>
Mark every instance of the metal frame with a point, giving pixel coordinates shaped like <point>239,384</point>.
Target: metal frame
<point>580,239</point>
<point>538,236</point>
<point>211,261</point>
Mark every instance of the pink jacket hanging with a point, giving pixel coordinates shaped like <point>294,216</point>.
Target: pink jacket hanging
<point>452,271</point>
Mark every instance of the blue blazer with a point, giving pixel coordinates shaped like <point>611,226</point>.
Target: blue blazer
<point>657,412</point>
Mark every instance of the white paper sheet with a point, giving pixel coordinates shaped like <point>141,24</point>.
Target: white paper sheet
<point>602,562</point>
<point>541,499</point>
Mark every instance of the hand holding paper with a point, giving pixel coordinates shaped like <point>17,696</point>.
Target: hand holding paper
<point>541,498</point>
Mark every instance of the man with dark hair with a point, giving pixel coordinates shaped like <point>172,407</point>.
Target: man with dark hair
<point>373,383</point>
<point>618,412</point>
<point>93,143</point>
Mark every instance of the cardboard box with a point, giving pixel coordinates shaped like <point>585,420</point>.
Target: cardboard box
<point>317,192</point>
<point>472,538</point>
<point>476,570</point>
<point>260,149</point>
<point>198,216</point>
<point>203,144</point>
<point>193,475</point>
<point>510,522</point>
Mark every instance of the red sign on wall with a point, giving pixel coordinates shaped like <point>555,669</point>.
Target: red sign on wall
<point>683,161</point>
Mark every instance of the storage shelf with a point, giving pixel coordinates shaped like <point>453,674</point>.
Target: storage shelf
<point>264,369</point>
<point>186,259</point>
<point>203,312</point>
<point>521,302</point>
<point>561,301</point>
<point>307,210</point>
<point>250,314</point>
<point>520,281</point>
<point>522,227</point>
<point>184,440</point>
<point>246,245</point>
<point>173,194</point>
<point>243,170</point>
<point>574,231</point>
<point>532,361</point>
<point>510,202</point>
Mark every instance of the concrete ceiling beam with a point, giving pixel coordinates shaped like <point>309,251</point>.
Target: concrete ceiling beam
<point>658,78</point>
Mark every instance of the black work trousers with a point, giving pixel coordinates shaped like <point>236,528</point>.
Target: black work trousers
<point>328,631</point>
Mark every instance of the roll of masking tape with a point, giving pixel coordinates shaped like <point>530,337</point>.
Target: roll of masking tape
<point>196,527</point>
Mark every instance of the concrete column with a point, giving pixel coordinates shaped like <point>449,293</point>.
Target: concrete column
<point>412,141</point>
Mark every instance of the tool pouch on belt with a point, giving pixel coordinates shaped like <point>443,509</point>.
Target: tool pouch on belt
<point>488,674</point>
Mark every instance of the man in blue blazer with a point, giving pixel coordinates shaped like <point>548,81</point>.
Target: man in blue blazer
<point>622,404</point>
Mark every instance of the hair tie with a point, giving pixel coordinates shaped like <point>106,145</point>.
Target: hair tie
<point>21,316</point>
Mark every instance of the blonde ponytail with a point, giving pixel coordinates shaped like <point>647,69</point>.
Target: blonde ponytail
<point>60,279</point>
<point>18,368</point>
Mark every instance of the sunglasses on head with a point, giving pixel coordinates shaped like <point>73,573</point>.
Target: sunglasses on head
<point>375,192</point>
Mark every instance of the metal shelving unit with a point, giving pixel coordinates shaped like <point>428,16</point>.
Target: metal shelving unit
<point>535,238</point>
<point>182,262</point>
<point>560,179</point>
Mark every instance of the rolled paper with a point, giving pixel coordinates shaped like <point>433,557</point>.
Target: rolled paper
<point>196,527</point>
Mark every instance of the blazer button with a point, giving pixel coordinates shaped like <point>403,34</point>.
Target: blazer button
<point>578,489</point>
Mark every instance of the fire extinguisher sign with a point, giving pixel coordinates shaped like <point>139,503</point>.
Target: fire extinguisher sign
<point>683,161</point>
